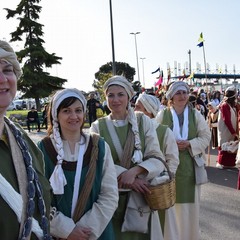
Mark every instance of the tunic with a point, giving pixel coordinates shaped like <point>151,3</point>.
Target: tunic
<point>187,192</point>
<point>227,127</point>
<point>102,201</point>
<point>150,146</point>
<point>169,148</point>
<point>10,227</point>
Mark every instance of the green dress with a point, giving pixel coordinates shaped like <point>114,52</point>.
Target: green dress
<point>185,175</point>
<point>118,216</point>
<point>8,221</point>
<point>63,203</point>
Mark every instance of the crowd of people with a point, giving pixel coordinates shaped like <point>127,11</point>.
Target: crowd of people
<point>90,185</point>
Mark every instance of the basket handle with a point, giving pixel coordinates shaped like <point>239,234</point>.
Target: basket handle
<point>164,163</point>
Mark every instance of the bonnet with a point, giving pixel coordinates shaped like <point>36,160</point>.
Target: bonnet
<point>150,103</point>
<point>7,53</point>
<point>176,86</point>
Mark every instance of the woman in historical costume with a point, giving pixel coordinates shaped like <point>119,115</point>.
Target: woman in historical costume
<point>24,190</point>
<point>227,127</point>
<point>150,106</point>
<point>193,136</point>
<point>213,122</point>
<point>134,146</point>
<point>81,172</point>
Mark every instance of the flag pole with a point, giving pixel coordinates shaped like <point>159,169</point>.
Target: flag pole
<point>205,68</point>
<point>209,120</point>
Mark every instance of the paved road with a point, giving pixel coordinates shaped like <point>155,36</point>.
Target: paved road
<point>220,204</point>
<point>220,201</point>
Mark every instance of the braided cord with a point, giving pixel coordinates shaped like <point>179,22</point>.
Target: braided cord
<point>34,188</point>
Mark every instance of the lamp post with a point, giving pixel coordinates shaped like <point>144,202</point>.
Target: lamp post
<point>143,71</point>
<point>136,51</point>
<point>112,37</point>
<point>190,67</point>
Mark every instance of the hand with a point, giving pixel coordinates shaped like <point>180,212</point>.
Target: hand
<point>141,186</point>
<point>126,179</point>
<point>79,233</point>
<point>236,137</point>
<point>183,145</point>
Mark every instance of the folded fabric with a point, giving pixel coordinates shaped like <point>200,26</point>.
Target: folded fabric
<point>158,180</point>
<point>231,146</point>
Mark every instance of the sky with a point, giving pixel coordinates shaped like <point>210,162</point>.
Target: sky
<point>79,32</point>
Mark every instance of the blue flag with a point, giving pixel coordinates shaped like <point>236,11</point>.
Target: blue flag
<point>200,40</point>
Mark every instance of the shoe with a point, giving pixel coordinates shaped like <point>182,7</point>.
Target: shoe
<point>38,130</point>
<point>219,166</point>
<point>29,131</point>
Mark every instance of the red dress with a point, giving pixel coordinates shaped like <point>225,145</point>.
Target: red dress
<point>227,159</point>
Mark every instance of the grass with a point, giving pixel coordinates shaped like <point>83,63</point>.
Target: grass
<point>22,112</point>
<point>25,112</point>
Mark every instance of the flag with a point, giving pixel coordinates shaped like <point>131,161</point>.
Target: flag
<point>158,70</point>
<point>200,40</point>
<point>183,76</point>
<point>191,75</point>
<point>160,80</point>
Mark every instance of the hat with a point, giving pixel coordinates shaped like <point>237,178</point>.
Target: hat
<point>230,92</point>
<point>176,86</point>
<point>57,179</point>
<point>150,103</point>
<point>7,53</point>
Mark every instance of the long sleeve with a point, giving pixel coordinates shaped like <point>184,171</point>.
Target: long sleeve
<point>102,211</point>
<point>151,147</point>
<point>152,165</point>
<point>171,150</point>
<point>201,142</point>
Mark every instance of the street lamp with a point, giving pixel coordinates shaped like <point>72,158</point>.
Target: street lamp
<point>190,67</point>
<point>112,37</point>
<point>136,51</point>
<point>143,71</point>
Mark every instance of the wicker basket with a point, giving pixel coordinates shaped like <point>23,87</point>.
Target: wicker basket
<point>162,196</point>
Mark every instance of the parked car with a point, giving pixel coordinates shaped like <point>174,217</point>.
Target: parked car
<point>11,107</point>
<point>20,104</point>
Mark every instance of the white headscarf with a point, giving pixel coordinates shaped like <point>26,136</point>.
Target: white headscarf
<point>57,179</point>
<point>151,103</point>
<point>176,86</point>
<point>7,53</point>
<point>123,82</point>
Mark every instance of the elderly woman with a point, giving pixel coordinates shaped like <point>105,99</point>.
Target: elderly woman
<point>81,172</point>
<point>24,191</point>
<point>227,127</point>
<point>193,136</point>
<point>134,146</point>
<point>150,106</point>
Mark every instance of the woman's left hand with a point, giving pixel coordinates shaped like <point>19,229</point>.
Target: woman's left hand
<point>141,186</point>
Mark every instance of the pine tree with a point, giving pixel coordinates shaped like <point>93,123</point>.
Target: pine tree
<point>35,82</point>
